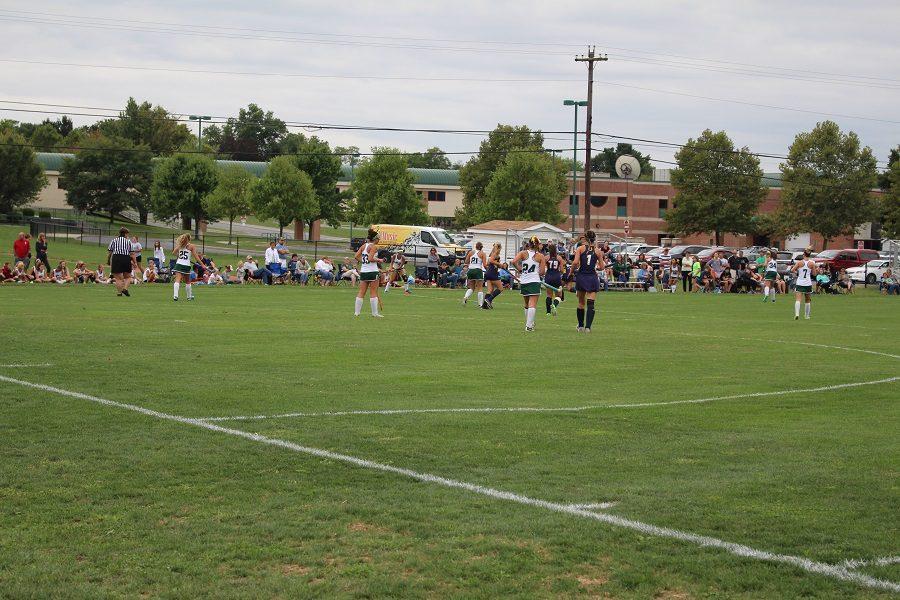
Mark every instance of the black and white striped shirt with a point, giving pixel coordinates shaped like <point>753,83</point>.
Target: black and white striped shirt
<point>120,245</point>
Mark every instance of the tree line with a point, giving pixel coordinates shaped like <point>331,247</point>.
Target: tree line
<point>146,160</point>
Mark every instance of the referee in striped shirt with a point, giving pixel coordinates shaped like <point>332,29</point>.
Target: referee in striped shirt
<point>121,261</point>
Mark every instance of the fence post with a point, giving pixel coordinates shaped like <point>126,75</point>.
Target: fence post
<point>237,246</point>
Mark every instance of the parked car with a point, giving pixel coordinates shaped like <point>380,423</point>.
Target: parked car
<point>705,255</point>
<point>871,272</point>
<point>786,259</point>
<point>642,249</point>
<point>678,252</point>
<point>754,252</point>
<point>835,260</point>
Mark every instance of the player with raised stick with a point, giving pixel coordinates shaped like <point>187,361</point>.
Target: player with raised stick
<point>398,264</point>
<point>368,260</point>
<point>585,264</point>
<point>531,265</point>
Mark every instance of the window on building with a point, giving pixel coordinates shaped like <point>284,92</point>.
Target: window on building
<point>419,193</point>
<point>598,201</point>
<point>663,207</point>
<point>622,207</point>
<point>434,196</point>
<point>573,200</point>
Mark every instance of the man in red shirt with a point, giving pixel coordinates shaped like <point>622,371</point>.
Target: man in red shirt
<point>22,249</point>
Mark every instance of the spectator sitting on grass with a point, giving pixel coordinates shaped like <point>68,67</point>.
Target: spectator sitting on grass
<point>746,281</point>
<point>444,275</point>
<point>61,273</point>
<point>20,273</point>
<point>215,278</point>
<point>82,274</point>
<point>39,272</point>
<point>844,282</point>
<point>150,273</point>
<point>301,270</point>
<point>348,271</point>
<point>620,269</point>
<point>726,281</point>
<point>645,276</point>
<point>823,283</point>
<point>101,275</point>
<point>455,274</point>
<point>6,273</point>
<point>253,271</point>
<point>325,271</point>
<point>780,285</point>
<point>889,284</point>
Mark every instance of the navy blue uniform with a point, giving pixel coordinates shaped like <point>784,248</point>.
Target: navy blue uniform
<point>553,276</point>
<point>491,273</point>
<point>586,277</point>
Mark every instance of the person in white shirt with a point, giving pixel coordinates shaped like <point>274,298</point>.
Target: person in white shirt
<point>214,279</point>
<point>325,270</point>
<point>272,258</point>
<point>159,254</point>
<point>349,272</point>
<point>150,272</point>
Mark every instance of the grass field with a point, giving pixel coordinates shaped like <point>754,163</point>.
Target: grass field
<point>690,447</point>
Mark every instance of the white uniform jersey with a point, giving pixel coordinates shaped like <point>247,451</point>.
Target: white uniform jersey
<point>367,259</point>
<point>530,273</point>
<point>804,274</point>
<point>772,267</point>
<point>183,257</point>
<point>398,262</point>
<point>475,261</point>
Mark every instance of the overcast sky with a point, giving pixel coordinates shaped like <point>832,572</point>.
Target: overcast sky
<point>820,56</point>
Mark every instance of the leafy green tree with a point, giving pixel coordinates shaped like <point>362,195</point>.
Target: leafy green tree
<point>315,158</point>
<point>254,135</point>
<point>890,204</point>
<point>719,188</point>
<point>348,154</point>
<point>45,138</point>
<point>181,184</point>
<point>476,174</point>
<point>605,161</point>
<point>108,175</point>
<point>433,158</point>
<point>149,125</point>
<point>526,187</point>
<point>384,192</point>
<point>827,183</point>
<point>884,179</point>
<point>63,126</point>
<point>284,193</point>
<point>21,177</point>
<point>232,195</point>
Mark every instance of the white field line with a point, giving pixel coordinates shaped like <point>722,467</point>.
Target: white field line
<point>873,562</point>
<point>594,506</point>
<point>25,365</point>
<point>838,572</point>
<point>538,409</point>
<point>799,343</point>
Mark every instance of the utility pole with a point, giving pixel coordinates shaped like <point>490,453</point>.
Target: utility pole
<point>590,59</point>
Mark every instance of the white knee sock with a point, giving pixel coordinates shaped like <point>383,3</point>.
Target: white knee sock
<point>374,303</point>
<point>358,308</point>
<point>529,317</point>
<point>797,308</point>
<point>480,298</point>
<point>766,292</point>
<point>808,309</point>
<point>187,290</point>
<point>177,286</point>
<point>468,294</point>
<point>387,287</point>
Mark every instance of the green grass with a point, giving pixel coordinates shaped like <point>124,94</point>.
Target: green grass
<point>103,502</point>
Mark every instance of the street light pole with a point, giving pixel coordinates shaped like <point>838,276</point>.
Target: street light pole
<point>200,119</point>
<point>353,158</point>
<point>573,200</point>
<point>590,59</point>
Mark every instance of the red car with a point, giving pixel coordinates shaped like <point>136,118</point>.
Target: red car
<point>835,260</point>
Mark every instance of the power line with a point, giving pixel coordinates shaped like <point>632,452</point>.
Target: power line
<point>187,28</point>
<point>438,79</point>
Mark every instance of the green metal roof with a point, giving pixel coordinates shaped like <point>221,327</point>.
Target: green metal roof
<point>53,161</point>
<point>422,176</point>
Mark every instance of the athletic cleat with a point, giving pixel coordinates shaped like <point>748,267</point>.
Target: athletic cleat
<point>529,328</point>
<point>553,310</point>
<point>174,299</point>
<point>465,301</point>
<point>378,316</point>
<point>796,317</point>
<point>125,292</point>
<point>190,297</point>
<point>580,330</point>
<point>807,318</point>
<point>587,329</point>
<point>548,314</point>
